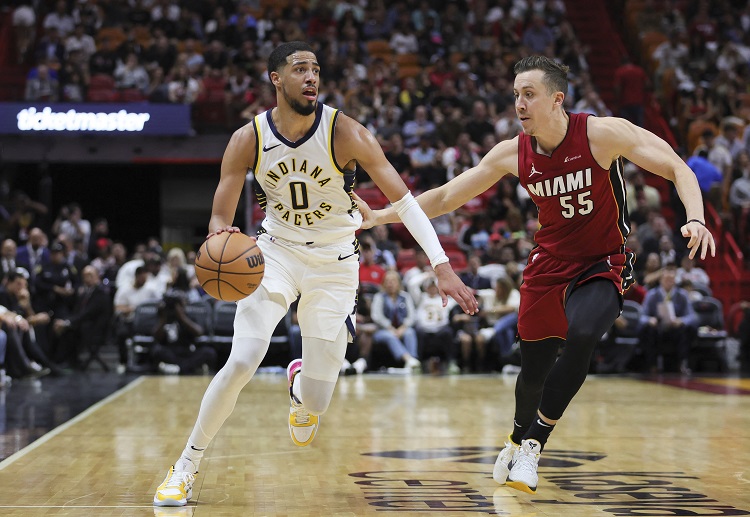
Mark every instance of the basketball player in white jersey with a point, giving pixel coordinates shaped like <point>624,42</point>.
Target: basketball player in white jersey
<point>303,155</point>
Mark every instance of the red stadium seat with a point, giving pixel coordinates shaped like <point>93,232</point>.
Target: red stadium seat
<point>102,82</point>
<point>103,96</point>
<point>373,197</point>
<point>132,95</point>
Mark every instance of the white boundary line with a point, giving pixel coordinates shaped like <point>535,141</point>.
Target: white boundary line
<point>65,425</point>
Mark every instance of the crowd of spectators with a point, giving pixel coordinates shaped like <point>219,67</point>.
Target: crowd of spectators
<point>697,55</point>
<point>433,82</point>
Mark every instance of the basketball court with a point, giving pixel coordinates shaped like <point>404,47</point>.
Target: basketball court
<point>405,445</point>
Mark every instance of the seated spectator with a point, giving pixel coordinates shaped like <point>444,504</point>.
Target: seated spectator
<point>104,60</point>
<point>130,74</point>
<point>19,324</point>
<point>33,254</point>
<point>434,332</point>
<point>127,298</point>
<point>182,89</point>
<point>55,283</point>
<point>370,272</point>
<point>472,278</point>
<point>387,248</point>
<point>425,164</point>
<point>60,19</point>
<point>500,315</point>
<point>176,351</point>
<point>43,86</point>
<point>708,175</point>
<point>689,271</point>
<point>24,26</point>
<point>85,329</point>
<point>668,317</point>
<point>451,156</point>
<point>162,52</point>
<point>392,311</point>
<point>419,127</point>
<point>414,277</point>
<point>16,361</point>
<point>8,251</point>
<point>80,41</point>
<point>641,197</point>
<point>592,103</point>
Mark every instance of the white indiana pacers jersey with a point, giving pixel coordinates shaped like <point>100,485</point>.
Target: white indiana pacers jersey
<point>299,184</point>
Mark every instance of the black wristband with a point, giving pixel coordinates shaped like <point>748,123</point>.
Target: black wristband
<point>697,221</point>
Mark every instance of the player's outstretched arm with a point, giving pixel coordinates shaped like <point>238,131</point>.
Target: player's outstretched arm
<point>238,157</point>
<point>611,137</point>
<point>355,143</point>
<point>501,160</point>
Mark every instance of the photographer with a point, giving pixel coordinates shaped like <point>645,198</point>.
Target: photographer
<point>176,351</point>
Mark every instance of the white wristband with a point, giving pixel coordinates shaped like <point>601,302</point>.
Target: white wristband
<point>419,226</point>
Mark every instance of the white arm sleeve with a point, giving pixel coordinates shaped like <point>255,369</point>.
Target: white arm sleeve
<point>419,226</point>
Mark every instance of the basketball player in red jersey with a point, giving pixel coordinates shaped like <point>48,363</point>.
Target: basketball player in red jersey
<point>571,165</point>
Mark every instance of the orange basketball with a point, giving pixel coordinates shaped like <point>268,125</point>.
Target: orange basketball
<point>229,266</point>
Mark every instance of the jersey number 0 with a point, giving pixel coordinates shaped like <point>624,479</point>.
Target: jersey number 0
<point>298,190</point>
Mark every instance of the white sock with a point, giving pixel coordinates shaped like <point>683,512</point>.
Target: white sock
<point>189,460</point>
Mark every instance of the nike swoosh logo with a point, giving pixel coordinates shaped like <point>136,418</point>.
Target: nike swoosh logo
<point>344,258</point>
<point>266,149</point>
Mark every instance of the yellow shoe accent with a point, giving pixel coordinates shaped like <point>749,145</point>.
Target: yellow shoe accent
<point>175,490</point>
<point>302,425</point>
<point>523,487</point>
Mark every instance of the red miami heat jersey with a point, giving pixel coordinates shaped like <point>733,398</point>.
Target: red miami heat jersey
<point>582,210</point>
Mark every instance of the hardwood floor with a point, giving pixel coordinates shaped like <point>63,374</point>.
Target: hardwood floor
<point>411,445</point>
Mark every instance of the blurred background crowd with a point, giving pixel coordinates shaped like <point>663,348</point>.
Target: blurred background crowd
<point>433,82</point>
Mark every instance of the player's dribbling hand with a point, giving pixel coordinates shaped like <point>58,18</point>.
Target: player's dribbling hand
<point>230,229</point>
<point>700,238</point>
<point>450,285</point>
<point>368,216</point>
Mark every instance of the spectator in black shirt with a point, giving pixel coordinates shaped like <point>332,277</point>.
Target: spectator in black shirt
<point>104,60</point>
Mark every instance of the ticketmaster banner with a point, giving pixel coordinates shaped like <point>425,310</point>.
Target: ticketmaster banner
<point>103,119</point>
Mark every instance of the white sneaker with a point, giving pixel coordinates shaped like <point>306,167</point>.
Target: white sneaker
<point>523,475</point>
<point>412,363</point>
<point>503,462</point>
<point>360,365</point>
<point>169,369</point>
<point>345,366</point>
<point>302,425</point>
<point>176,489</point>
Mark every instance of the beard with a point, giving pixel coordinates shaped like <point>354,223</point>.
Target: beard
<point>303,108</point>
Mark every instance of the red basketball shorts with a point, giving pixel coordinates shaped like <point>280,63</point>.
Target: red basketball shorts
<point>548,282</point>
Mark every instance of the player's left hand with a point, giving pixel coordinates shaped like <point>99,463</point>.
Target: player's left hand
<point>700,238</point>
<point>450,285</point>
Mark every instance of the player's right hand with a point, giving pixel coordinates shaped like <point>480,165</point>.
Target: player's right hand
<point>368,216</point>
<point>230,229</point>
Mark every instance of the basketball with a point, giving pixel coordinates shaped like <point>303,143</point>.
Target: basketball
<point>229,266</point>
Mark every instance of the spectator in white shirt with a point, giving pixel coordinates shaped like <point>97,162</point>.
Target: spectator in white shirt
<point>60,19</point>
<point>79,40</point>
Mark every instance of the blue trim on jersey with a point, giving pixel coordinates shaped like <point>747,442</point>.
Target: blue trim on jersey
<point>308,135</point>
<point>350,327</point>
